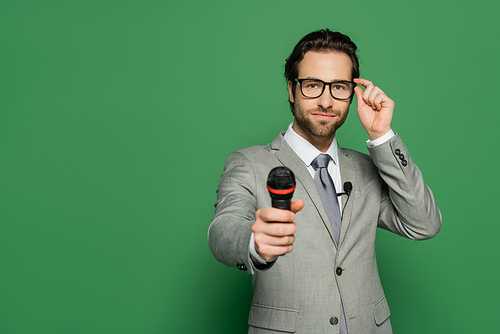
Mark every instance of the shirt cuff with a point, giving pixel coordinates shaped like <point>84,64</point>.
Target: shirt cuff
<point>253,253</point>
<point>381,140</point>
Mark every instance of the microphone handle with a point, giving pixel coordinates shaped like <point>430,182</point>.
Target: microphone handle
<point>283,204</point>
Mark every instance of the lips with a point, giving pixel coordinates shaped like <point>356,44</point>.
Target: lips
<point>324,116</point>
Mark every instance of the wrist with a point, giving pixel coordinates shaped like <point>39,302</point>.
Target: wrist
<point>379,141</point>
<point>374,135</point>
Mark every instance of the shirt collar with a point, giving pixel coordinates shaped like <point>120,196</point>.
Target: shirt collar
<point>305,150</point>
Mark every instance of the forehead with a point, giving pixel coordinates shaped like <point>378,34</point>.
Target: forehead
<point>327,66</point>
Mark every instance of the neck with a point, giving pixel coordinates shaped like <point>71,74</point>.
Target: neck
<point>321,143</point>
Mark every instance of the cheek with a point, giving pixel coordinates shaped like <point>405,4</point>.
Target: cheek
<point>300,106</point>
<point>344,106</point>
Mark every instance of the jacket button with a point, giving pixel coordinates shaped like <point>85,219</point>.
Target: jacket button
<point>397,151</point>
<point>334,320</point>
<point>401,157</point>
<point>338,271</point>
<point>241,266</point>
<point>404,163</point>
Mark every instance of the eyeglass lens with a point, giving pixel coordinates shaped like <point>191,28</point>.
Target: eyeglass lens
<point>314,88</point>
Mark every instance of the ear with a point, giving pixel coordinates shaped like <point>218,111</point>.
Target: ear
<point>290,92</point>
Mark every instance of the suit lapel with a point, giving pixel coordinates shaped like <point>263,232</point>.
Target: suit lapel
<point>286,155</point>
<point>347,173</point>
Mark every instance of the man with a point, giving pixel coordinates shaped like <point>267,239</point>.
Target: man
<point>328,281</point>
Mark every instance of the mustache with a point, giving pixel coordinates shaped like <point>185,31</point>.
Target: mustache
<point>322,110</point>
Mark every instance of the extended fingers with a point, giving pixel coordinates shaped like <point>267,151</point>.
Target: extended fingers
<point>363,96</point>
<point>373,96</point>
<point>363,82</point>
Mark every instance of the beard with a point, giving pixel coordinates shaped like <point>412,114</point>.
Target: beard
<point>319,129</point>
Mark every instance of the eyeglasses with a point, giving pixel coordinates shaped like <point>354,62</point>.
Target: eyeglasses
<point>314,88</point>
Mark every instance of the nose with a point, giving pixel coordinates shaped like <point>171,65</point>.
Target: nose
<point>326,100</point>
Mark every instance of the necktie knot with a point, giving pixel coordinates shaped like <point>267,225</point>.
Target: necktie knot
<point>321,161</point>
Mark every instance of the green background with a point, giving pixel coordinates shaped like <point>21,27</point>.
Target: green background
<point>116,118</point>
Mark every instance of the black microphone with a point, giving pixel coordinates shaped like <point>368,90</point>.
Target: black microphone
<point>347,189</point>
<point>281,185</point>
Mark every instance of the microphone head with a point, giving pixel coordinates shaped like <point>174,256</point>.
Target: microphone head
<point>347,187</point>
<point>281,183</point>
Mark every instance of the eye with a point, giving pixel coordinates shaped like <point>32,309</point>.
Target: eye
<point>339,87</point>
<point>312,85</point>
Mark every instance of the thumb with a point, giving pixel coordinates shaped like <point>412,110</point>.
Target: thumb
<point>359,96</point>
<point>297,206</point>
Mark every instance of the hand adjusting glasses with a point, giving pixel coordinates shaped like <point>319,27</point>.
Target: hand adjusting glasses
<point>314,88</point>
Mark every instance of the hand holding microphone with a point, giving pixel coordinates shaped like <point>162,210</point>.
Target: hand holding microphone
<point>274,228</point>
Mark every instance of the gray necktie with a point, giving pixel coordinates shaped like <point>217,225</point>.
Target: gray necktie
<point>327,192</point>
<point>328,195</point>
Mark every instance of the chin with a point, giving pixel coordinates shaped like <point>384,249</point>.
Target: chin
<point>317,128</point>
<point>322,130</point>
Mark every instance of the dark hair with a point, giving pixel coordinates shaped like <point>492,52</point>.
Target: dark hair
<point>320,41</point>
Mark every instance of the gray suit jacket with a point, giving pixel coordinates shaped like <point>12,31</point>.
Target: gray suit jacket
<point>303,290</point>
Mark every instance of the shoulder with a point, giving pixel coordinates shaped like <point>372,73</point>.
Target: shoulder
<point>258,153</point>
<point>360,159</point>
<point>252,153</point>
<point>251,159</point>
<point>361,163</point>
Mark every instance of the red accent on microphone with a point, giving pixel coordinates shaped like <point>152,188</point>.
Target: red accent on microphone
<point>281,192</point>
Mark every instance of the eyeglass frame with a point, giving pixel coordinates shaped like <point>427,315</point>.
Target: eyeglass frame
<point>324,85</point>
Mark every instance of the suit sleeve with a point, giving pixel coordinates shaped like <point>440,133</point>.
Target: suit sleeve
<point>408,207</point>
<point>230,230</point>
